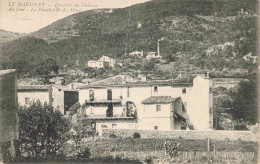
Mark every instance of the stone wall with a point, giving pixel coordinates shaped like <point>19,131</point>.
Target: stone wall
<point>215,135</point>
<point>8,115</point>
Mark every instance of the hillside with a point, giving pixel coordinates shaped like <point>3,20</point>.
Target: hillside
<point>197,35</point>
<point>6,36</point>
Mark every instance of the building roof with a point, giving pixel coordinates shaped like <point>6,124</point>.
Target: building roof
<point>33,87</point>
<point>67,87</point>
<point>159,100</point>
<point>124,80</point>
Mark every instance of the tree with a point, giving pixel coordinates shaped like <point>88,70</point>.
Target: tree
<point>81,134</point>
<point>245,105</point>
<point>47,67</point>
<point>148,65</point>
<point>42,130</point>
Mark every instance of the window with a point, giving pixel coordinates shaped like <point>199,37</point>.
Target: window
<point>109,94</point>
<point>183,128</point>
<point>184,106</point>
<point>210,110</point>
<point>158,108</point>
<point>155,127</point>
<point>128,91</point>
<point>93,125</point>
<point>183,90</point>
<point>91,95</point>
<point>155,88</point>
<point>27,100</point>
<point>52,99</point>
<point>103,126</point>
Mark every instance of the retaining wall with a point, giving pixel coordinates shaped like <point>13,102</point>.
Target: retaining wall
<point>215,135</point>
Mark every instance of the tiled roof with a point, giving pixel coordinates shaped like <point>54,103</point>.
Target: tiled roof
<point>33,87</point>
<point>124,80</point>
<point>159,100</point>
<point>115,80</point>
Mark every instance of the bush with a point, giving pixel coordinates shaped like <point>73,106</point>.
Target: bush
<point>85,153</point>
<point>42,130</point>
<point>136,135</point>
<point>112,135</point>
<point>240,127</point>
<point>148,160</point>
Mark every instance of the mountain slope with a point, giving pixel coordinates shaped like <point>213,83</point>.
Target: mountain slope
<point>187,28</point>
<point>6,36</point>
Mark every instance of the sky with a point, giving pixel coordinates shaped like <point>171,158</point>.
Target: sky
<point>25,16</point>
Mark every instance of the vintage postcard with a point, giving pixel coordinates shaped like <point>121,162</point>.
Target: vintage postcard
<point>129,81</point>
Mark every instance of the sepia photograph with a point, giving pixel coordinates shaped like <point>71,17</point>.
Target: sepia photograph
<point>129,81</point>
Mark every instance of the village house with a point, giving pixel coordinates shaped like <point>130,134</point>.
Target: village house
<point>152,55</point>
<point>98,64</point>
<point>137,53</point>
<point>181,105</point>
<point>29,93</point>
<point>59,96</point>
<point>63,97</point>
<point>111,61</point>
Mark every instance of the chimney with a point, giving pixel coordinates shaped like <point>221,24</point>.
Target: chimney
<point>158,48</point>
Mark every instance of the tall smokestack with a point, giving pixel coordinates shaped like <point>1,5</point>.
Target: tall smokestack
<point>158,48</point>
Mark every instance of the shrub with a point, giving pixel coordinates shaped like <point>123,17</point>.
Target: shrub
<point>112,135</point>
<point>42,130</point>
<point>148,160</point>
<point>240,127</point>
<point>136,135</point>
<point>85,153</point>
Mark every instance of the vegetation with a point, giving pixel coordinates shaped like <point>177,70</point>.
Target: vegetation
<point>144,144</point>
<point>136,135</point>
<point>47,67</point>
<point>42,130</point>
<point>245,99</point>
<point>198,36</point>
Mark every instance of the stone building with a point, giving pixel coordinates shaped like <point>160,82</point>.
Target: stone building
<point>189,103</point>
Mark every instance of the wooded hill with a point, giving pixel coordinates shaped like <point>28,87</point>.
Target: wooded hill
<point>197,35</point>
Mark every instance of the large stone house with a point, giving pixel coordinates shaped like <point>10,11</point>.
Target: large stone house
<point>162,105</point>
<point>109,60</point>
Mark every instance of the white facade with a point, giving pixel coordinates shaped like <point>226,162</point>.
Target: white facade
<point>152,55</point>
<point>202,103</point>
<point>137,53</point>
<point>96,64</point>
<point>58,99</point>
<point>111,61</point>
<point>28,94</point>
<point>197,98</point>
<point>24,98</point>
